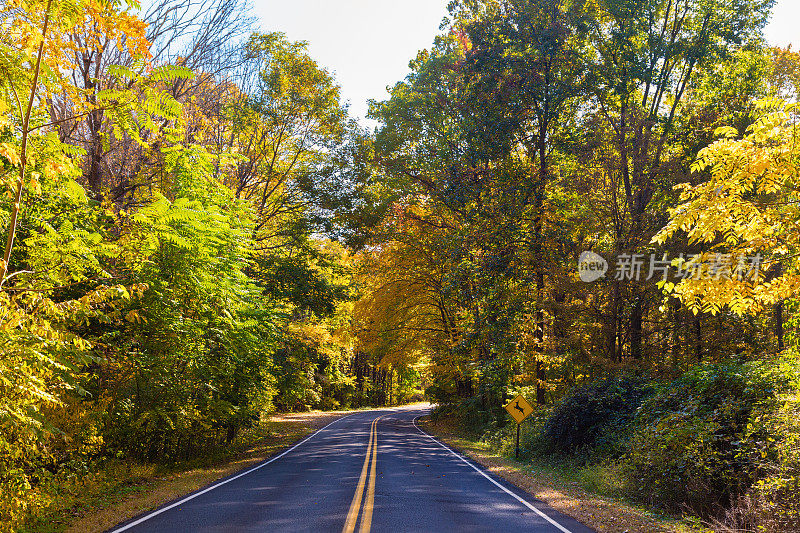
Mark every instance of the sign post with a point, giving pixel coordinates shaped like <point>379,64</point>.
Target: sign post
<point>519,409</point>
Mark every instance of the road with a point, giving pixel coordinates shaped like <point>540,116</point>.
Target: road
<point>368,471</point>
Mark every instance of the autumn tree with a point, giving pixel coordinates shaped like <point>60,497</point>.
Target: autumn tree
<point>406,311</point>
<point>649,53</point>
<point>745,209</point>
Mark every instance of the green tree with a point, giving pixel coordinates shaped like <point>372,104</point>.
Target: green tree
<point>649,54</point>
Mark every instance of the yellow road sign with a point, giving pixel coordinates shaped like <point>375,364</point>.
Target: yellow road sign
<point>519,408</point>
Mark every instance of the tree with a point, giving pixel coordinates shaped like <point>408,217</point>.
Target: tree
<point>405,312</point>
<point>204,38</point>
<point>286,122</point>
<point>746,208</point>
<point>649,53</point>
<point>526,58</point>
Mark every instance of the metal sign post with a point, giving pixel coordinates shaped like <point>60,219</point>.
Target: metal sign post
<point>519,409</point>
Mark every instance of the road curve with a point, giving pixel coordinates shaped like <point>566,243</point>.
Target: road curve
<point>368,471</point>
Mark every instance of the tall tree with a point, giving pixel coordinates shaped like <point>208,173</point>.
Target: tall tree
<point>526,61</point>
<point>649,53</point>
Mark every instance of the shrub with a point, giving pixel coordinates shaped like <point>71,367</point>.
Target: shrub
<point>468,415</point>
<point>773,504</point>
<point>704,439</point>
<point>593,416</point>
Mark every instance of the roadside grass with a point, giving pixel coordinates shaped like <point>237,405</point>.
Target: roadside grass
<point>590,494</point>
<point>121,490</point>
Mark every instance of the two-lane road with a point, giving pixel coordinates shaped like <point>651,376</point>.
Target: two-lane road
<point>372,470</point>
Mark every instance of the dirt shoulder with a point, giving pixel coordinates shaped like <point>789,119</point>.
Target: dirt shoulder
<point>145,488</point>
<point>606,515</point>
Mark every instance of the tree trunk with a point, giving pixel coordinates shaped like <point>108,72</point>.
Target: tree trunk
<point>778,311</point>
<point>636,325</point>
<point>675,306</point>
<point>779,325</point>
<point>612,330</point>
<point>698,346</point>
<point>26,120</point>
<point>539,336</point>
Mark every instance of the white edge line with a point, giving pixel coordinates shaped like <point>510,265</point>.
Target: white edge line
<point>484,474</point>
<point>212,487</point>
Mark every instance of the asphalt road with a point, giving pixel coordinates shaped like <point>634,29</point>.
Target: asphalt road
<point>334,481</point>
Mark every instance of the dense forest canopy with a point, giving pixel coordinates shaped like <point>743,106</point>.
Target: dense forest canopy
<point>196,233</point>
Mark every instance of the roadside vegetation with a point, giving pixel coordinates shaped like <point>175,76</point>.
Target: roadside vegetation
<point>172,188</point>
<point>581,491</point>
<point>716,445</point>
<point>661,137</point>
<point>196,234</point>
<point>123,489</point>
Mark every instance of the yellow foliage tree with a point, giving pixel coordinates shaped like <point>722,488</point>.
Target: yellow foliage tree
<point>404,315</point>
<point>745,217</point>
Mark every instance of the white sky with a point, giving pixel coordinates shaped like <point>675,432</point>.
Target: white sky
<point>785,25</point>
<point>368,43</point>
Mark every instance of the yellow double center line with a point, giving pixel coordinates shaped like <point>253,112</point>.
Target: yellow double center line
<point>355,505</point>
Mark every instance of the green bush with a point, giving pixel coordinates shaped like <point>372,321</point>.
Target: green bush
<point>704,439</point>
<point>467,414</point>
<point>593,417</point>
<point>773,503</point>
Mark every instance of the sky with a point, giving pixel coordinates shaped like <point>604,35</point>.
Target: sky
<point>367,44</point>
